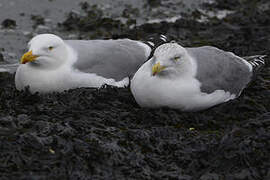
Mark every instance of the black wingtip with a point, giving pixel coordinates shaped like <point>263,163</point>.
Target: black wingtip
<point>257,62</point>
<point>155,41</point>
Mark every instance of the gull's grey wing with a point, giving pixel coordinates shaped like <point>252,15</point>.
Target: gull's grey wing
<point>115,59</point>
<point>222,70</point>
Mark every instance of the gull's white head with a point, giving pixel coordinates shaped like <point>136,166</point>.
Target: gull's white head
<point>46,50</point>
<point>170,58</point>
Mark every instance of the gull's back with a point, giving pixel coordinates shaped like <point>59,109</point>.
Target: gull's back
<point>218,69</point>
<point>115,59</point>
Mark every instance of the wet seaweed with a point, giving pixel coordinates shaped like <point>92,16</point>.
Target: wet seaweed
<point>94,22</point>
<point>9,24</point>
<point>1,57</point>
<point>38,20</point>
<point>102,134</point>
<point>90,133</point>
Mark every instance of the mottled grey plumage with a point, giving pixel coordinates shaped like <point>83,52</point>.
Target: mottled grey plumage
<point>218,69</point>
<point>125,57</point>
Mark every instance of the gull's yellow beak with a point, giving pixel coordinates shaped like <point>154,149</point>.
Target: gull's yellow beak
<point>157,68</point>
<point>28,57</point>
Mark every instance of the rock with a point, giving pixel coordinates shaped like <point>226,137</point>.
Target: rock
<point>154,3</point>
<point>9,23</point>
<point>26,33</point>
<point>42,28</point>
<point>1,57</point>
<point>38,20</point>
<point>12,55</point>
<point>210,176</point>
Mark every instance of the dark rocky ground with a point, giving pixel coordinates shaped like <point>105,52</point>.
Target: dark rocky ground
<point>103,134</point>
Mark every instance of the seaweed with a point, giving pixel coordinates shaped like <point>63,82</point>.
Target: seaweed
<point>90,133</point>
<point>9,24</point>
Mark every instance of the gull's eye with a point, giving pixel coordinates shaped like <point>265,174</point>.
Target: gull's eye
<point>50,48</point>
<point>177,58</point>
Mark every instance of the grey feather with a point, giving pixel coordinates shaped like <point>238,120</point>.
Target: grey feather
<point>115,59</point>
<point>220,70</point>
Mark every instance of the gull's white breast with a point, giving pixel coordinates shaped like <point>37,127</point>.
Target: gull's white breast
<point>181,93</point>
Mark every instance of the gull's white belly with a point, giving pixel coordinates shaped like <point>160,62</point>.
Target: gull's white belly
<point>58,80</point>
<point>41,80</point>
<point>181,93</point>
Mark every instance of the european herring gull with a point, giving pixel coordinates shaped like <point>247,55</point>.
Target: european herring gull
<point>53,64</point>
<point>192,79</point>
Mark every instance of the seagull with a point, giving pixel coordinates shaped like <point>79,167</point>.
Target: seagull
<point>54,65</point>
<point>192,79</point>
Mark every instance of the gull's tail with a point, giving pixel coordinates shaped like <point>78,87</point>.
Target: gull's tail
<point>257,62</point>
<point>154,41</point>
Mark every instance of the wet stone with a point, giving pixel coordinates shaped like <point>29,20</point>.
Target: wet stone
<point>1,57</point>
<point>154,2</point>
<point>38,20</point>
<point>9,23</point>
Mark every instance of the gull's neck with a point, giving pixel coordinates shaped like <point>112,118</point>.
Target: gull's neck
<point>71,55</point>
<point>187,67</point>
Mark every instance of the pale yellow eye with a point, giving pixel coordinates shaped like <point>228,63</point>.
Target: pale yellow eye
<point>176,58</point>
<point>50,48</point>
